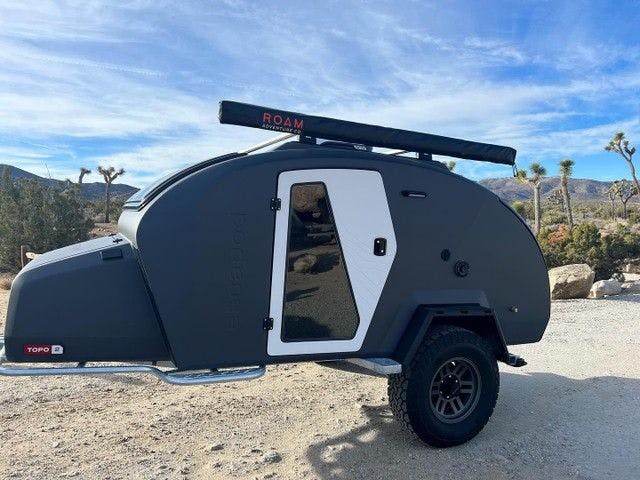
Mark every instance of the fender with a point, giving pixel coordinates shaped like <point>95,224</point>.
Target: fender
<point>472,317</point>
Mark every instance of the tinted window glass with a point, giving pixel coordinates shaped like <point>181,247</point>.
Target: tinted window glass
<point>318,303</point>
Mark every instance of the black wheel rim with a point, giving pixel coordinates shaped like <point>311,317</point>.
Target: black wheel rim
<point>455,390</point>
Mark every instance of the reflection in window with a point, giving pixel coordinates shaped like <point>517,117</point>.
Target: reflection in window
<point>318,303</point>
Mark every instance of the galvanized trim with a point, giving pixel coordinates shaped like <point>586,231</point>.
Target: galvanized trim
<point>174,377</point>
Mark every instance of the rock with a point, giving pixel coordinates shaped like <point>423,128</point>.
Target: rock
<point>70,474</point>
<point>234,468</point>
<point>215,447</point>
<point>570,281</point>
<point>631,277</point>
<point>305,263</point>
<point>631,268</point>
<point>595,294</point>
<point>605,287</point>
<point>630,287</point>
<point>272,457</point>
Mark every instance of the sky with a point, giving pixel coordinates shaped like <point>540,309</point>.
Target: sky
<point>136,84</point>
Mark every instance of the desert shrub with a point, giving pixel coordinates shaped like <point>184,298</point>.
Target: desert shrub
<point>553,243</point>
<point>622,243</point>
<point>591,210</point>
<point>524,209</point>
<point>95,208</point>
<point>585,244</point>
<point>43,218</point>
<point>553,217</point>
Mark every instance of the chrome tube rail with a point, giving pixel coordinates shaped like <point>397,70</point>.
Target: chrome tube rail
<point>173,377</point>
<point>396,152</point>
<point>268,143</point>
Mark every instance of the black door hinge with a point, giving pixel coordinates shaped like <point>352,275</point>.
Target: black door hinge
<point>267,323</point>
<point>276,204</point>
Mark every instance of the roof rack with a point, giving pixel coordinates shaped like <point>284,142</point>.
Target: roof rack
<point>310,126</point>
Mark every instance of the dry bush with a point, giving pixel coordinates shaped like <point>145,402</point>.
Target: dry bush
<point>559,235</point>
<point>5,283</point>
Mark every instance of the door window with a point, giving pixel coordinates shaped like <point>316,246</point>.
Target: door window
<point>318,300</point>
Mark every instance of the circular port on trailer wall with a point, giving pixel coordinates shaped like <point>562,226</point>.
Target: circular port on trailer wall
<point>461,268</point>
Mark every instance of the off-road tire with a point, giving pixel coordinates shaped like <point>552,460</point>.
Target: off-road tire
<point>409,392</point>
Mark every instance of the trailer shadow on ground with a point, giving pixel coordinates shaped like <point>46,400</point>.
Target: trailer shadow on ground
<point>544,426</point>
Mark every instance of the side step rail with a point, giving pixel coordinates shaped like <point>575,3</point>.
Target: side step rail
<point>381,366</point>
<point>377,367</point>
<point>174,377</point>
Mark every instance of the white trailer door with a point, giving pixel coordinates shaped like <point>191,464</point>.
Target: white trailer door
<point>333,249</point>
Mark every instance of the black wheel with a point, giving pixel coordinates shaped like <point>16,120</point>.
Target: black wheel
<point>448,392</point>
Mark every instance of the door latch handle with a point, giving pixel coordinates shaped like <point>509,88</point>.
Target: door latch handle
<point>380,247</point>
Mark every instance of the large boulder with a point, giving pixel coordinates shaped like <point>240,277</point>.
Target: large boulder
<point>605,287</point>
<point>631,277</point>
<point>631,287</point>
<point>570,281</point>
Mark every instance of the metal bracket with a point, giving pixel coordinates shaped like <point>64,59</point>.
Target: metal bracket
<point>174,377</point>
<point>267,323</point>
<point>307,139</point>
<point>514,360</point>
<point>276,204</point>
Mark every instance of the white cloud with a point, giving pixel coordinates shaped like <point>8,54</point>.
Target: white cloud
<point>152,73</point>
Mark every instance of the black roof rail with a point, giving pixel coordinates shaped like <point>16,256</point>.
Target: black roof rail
<point>248,115</point>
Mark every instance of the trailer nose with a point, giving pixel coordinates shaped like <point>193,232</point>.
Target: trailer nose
<point>86,302</point>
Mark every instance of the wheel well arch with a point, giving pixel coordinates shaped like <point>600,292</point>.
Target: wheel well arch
<point>475,318</point>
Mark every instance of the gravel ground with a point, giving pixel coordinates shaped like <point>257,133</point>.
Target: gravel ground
<point>571,413</point>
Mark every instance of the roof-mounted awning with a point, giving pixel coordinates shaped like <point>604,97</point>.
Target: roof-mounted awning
<point>247,115</point>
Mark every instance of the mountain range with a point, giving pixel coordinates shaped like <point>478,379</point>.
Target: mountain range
<point>580,189</point>
<point>90,190</point>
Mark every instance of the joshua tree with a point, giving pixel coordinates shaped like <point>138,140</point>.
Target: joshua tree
<point>555,198</point>
<point>624,190</point>
<point>109,175</point>
<point>566,169</point>
<point>535,182</point>
<point>83,171</point>
<point>620,145</point>
<point>451,165</point>
<point>612,193</point>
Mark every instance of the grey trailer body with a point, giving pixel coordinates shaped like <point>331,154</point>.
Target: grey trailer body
<point>304,253</point>
<point>205,244</point>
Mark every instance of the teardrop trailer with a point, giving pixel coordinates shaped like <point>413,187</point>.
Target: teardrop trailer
<point>314,251</point>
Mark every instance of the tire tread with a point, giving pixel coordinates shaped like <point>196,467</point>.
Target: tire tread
<point>440,336</point>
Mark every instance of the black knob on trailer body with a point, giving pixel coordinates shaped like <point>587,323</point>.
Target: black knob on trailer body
<point>461,268</point>
<point>380,247</point>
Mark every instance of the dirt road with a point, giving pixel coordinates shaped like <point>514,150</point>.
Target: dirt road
<point>573,412</point>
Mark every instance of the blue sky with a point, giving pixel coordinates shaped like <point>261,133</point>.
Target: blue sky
<point>137,84</point>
